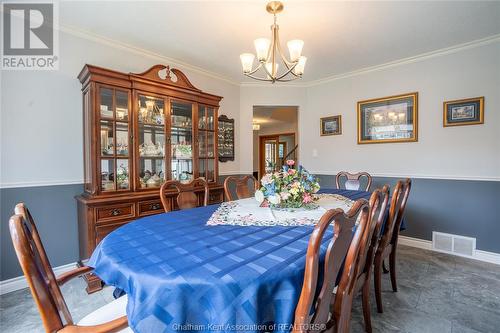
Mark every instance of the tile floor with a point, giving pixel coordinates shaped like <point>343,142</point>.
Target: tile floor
<point>437,293</point>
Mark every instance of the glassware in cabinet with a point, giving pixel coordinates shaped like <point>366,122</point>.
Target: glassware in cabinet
<point>181,141</point>
<point>151,141</point>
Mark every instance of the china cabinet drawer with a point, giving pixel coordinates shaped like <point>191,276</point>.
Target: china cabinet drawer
<point>113,212</point>
<point>103,231</point>
<point>150,207</point>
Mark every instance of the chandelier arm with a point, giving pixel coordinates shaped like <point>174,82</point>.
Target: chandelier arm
<point>257,78</point>
<point>267,71</point>
<point>255,70</point>
<point>280,51</point>
<point>288,72</point>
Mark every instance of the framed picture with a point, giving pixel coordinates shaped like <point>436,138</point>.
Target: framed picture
<point>388,119</point>
<point>468,111</point>
<point>331,125</point>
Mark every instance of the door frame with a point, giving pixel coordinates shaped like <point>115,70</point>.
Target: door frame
<point>262,139</point>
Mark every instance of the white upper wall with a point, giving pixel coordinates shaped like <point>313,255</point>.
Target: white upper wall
<point>41,112</point>
<point>462,152</point>
<point>41,116</point>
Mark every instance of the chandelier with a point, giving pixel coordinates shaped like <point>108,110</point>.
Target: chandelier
<point>269,53</point>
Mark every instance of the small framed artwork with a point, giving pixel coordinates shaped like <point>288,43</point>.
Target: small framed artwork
<point>331,125</point>
<point>388,119</point>
<point>468,111</point>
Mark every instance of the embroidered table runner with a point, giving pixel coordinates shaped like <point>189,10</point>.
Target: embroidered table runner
<point>247,212</point>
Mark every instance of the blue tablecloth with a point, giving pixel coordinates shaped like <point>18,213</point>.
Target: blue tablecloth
<point>181,275</point>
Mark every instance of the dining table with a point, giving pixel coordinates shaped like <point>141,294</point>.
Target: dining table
<point>182,275</point>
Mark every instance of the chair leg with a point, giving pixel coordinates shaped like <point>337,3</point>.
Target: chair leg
<point>366,306</point>
<point>377,281</point>
<point>392,267</point>
<point>384,268</point>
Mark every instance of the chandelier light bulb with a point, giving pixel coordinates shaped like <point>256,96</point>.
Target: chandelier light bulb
<point>262,48</point>
<point>247,62</point>
<point>301,64</point>
<point>295,48</point>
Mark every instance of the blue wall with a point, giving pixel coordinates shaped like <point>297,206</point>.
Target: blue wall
<point>468,208</point>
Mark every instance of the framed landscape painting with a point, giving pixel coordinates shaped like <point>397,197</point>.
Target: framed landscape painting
<point>331,125</point>
<point>388,119</point>
<point>461,112</point>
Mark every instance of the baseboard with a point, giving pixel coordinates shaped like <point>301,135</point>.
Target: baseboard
<point>490,257</point>
<point>17,283</point>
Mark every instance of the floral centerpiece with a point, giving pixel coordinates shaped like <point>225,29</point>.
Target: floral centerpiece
<point>288,188</point>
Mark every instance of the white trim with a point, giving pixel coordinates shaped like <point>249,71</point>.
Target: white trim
<point>17,283</point>
<point>142,52</point>
<point>41,183</point>
<point>424,56</point>
<point>226,173</point>
<point>418,176</point>
<point>490,257</point>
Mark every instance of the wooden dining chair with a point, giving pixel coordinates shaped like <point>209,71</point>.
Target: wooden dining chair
<point>389,239</point>
<point>236,188</point>
<point>353,180</point>
<point>331,312</point>
<point>45,287</point>
<point>378,207</point>
<point>186,194</point>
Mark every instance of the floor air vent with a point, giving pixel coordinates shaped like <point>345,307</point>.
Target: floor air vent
<point>454,244</point>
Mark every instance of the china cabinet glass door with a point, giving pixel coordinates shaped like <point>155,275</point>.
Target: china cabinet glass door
<point>206,142</point>
<point>115,139</point>
<point>151,140</point>
<point>181,141</point>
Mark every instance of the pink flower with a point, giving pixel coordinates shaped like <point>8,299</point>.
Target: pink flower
<point>290,162</point>
<point>307,198</point>
<point>291,171</point>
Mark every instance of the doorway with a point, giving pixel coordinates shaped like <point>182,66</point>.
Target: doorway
<point>275,150</point>
<point>275,133</point>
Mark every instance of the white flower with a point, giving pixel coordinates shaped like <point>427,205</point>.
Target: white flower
<point>259,196</point>
<point>267,179</point>
<point>274,199</point>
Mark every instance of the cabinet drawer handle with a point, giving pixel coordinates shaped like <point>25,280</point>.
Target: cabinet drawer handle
<point>155,206</point>
<point>116,212</point>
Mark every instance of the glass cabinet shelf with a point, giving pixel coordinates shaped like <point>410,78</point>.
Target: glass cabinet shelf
<point>114,138</point>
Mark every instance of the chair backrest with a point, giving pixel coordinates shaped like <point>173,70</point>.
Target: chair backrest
<point>396,212</point>
<point>353,180</point>
<point>378,208</point>
<point>343,248</point>
<point>241,187</point>
<point>38,271</point>
<point>186,196</point>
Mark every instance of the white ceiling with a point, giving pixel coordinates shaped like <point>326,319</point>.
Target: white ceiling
<point>339,37</point>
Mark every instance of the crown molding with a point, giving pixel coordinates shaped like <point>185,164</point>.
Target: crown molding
<point>142,52</point>
<point>424,56</point>
<point>297,84</point>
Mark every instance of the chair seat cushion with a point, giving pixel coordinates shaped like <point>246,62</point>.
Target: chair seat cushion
<point>108,312</point>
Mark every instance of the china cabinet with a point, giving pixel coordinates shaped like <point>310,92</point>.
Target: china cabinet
<point>226,139</point>
<point>141,130</point>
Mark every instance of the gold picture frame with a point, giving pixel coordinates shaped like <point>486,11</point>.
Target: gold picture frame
<point>389,119</point>
<point>463,112</point>
<point>330,125</point>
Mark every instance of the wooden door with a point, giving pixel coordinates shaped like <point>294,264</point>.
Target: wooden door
<point>268,154</point>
